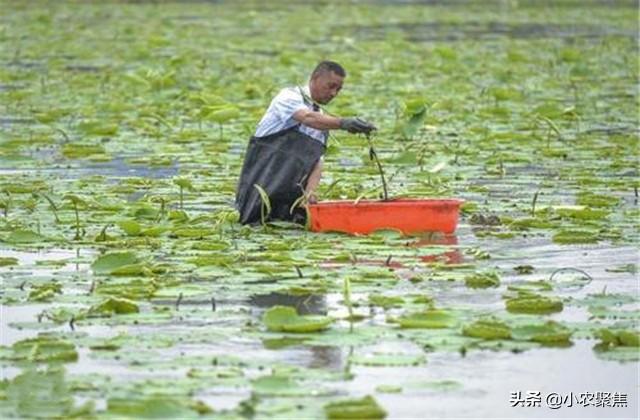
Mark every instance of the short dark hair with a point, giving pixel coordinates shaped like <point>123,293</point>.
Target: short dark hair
<point>328,66</point>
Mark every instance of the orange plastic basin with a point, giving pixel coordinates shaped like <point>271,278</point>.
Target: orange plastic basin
<point>405,215</point>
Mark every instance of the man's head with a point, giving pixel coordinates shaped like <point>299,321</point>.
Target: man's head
<point>326,81</point>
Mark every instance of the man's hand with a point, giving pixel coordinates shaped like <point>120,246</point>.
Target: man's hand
<point>356,125</point>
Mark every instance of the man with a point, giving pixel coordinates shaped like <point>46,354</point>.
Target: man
<point>284,157</point>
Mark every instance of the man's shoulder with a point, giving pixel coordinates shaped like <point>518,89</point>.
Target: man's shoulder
<point>289,93</point>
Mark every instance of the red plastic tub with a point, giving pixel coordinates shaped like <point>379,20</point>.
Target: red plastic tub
<point>405,215</point>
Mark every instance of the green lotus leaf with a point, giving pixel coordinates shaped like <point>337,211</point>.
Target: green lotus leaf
<point>278,386</point>
<point>113,306</point>
<point>222,115</point>
<point>137,289</point>
<point>286,319</point>
<point>533,304</point>
<point>575,236</point>
<point>364,408</point>
<point>43,394</point>
<point>550,332</point>
<point>130,227</point>
<point>98,128</point>
<point>23,236</point>
<point>155,407</point>
<point>482,280</point>
<point>434,318</point>
<point>44,292</point>
<point>618,338</point>
<point>8,261</point>
<point>79,151</point>
<point>138,269</point>
<point>386,301</point>
<point>43,349</point>
<point>589,199</point>
<point>488,329</point>
<point>183,183</point>
<point>107,263</point>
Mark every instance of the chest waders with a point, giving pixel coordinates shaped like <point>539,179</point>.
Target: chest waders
<point>280,164</point>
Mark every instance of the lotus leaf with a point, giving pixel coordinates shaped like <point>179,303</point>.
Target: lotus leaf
<point>364,408</point>
<point>434,318</point>
<point>488,329</point>
<point>286,319</point>
<point>108,263</point>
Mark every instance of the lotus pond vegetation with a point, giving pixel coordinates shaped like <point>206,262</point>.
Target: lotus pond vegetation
<point>130,290</point>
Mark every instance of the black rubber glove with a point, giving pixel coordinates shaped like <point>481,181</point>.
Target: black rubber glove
<point>356,125</point>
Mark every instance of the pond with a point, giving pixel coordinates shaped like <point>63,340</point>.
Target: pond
<point>129,289</point>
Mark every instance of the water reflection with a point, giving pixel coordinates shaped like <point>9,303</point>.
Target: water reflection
<point>325,357</point>
<point>448,256</point>
<point>305,304</point>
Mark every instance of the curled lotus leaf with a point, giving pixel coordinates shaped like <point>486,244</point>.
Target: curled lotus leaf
<point>286,319</point>
<point>488,329</point>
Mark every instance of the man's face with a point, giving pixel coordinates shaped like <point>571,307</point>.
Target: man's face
<point>325,86</point>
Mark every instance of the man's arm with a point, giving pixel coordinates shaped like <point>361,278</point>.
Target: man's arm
<point>316,120</point>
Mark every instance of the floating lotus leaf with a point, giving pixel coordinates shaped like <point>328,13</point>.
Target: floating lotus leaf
<point>583,214</point>
<point>585,198</point>
<point>42,394</point>
<point>534,305</point>
<point>98,128</point>
<point>44,292</point>
<point>139,288</point>
<point>550,332</point>
<point>364,408</point>
<point>7,261</point>
<point>130,227</point>
<point>23,236</point>
<point>43,349</point>
<point>386,301</point>
<point>487,329</point>
<point>286,319</point>
<point>138,269</point>
<point>107,263</point>
<point>155,406</point>
<point>482,280</point>
<point>113,306</point>
<point>621,338</point>
<point>79,151</point>
<point>575,236</point>
<point>278,386</point>
<point>531,286</point>
<point>434,318</point>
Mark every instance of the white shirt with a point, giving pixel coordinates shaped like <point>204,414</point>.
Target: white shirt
<point>279,115</point>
